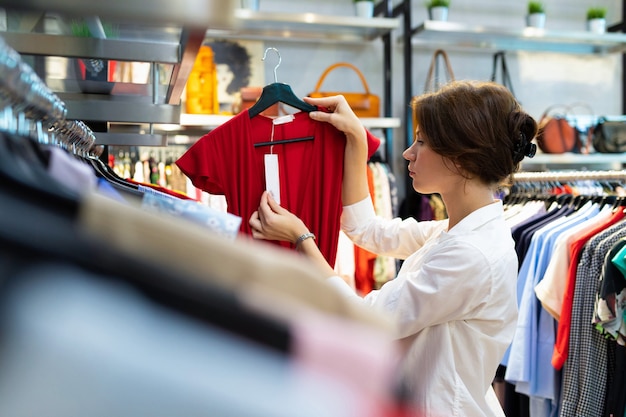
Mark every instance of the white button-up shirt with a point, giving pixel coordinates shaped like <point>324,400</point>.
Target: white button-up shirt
<point>454,300</point>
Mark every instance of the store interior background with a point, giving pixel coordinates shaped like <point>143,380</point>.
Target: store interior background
<point>540,79</point>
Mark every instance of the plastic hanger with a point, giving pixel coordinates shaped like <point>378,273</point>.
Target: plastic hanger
<point>278,92</point>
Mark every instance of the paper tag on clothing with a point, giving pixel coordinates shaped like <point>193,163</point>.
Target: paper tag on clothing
<point>272,179</point>
<point>283,119</point>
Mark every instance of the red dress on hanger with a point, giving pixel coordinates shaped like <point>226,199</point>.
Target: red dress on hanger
<point>225,161</point>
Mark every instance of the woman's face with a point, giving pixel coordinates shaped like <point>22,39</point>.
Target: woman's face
<point>429,171</point>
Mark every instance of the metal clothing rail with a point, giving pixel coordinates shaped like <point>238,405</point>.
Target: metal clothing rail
<point>29,108</point>
<point>569,176</point>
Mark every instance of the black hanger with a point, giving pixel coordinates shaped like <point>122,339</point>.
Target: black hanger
<point>278,92</point>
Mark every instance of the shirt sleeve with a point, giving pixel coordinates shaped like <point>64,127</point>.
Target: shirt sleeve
<point>343,287</point>
<point>198,164</point>
<point>388,237</point>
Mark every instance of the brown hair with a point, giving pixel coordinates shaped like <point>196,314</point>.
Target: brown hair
<point>477,125</point>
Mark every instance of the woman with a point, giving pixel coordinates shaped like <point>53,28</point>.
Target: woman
<point>454,297</point>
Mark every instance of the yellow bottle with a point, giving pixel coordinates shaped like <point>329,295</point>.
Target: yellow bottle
<point>202,84</point>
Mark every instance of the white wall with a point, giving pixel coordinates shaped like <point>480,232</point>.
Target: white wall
<point>540,79</point>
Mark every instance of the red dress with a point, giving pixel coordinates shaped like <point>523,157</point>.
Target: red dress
<point>225,161</point>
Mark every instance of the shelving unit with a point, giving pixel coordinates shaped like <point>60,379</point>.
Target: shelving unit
<point>160,32</point>
<point>550,162</point>
<point>171,35</point>
<point>306,27</point>
<point>143,13</point>
<point>211,121</point>
<point>317,28</point>
<point>434,34</point>
<point>457,36</point>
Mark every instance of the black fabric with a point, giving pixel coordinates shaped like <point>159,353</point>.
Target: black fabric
<point>515,403</point>
<point>23,173</point>
<point>616,387</point>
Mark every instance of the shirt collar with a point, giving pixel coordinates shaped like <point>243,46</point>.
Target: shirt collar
<point>478,218</point>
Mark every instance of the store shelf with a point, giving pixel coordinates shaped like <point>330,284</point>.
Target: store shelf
<point>566,160</point>
<point>118,109</point>
<point>161,32</point>
<point>131,139</point>
<point>211,121</point>
<point>187,13</point>
<point>435,34</point>
<point>305,27</point>
<point>75,47</point>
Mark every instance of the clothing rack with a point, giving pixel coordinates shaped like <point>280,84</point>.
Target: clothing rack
<point>31,109</point>
<point>569,176</point>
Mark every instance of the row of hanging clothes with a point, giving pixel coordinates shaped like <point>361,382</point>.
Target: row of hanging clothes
<point>119,298</point>
<point>568,355</point>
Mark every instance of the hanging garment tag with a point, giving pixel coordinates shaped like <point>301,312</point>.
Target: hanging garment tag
<point>283,119</point>
<point>272,179</point>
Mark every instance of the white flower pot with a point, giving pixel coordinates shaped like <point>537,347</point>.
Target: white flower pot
<point>596,25</point>
<point>438,13</point>
<point>364,8</point>
<point>536,20</point>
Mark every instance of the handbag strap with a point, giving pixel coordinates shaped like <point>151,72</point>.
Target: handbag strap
<point>506,76</point>
<point>338,65</point>
<point>546,113</point>
<point>430,79</point>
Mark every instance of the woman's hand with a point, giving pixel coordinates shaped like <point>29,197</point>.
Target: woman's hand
<point>339,114</point>
<point>273,222</point>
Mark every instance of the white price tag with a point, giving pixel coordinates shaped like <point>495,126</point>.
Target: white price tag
<point>272,179</point>
<point>283,119</point>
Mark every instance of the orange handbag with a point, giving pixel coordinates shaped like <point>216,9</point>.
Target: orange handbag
<point>556,135</point>
<point>363,104</point>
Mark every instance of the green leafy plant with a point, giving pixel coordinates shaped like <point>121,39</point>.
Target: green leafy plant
<point>437,3</point>
<point>596,13</point>
<point>79,28</point>
<point>535,7</point>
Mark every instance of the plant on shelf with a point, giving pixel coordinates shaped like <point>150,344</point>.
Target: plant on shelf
<point>596,13</point>
<point>438,9</point>
<point>536,7</point>
<point>437,3</point>
<point>596,19</point>
<point>93,69</point>
<point>536,14</point>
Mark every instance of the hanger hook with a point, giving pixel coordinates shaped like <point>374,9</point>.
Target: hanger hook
<point>279,61</point>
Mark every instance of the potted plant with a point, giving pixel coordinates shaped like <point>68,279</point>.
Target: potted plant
<point>364,8</point>
<point>94,75</point>
<point>536,14</point>
<point>596,19</point>
<point>438,9</point>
